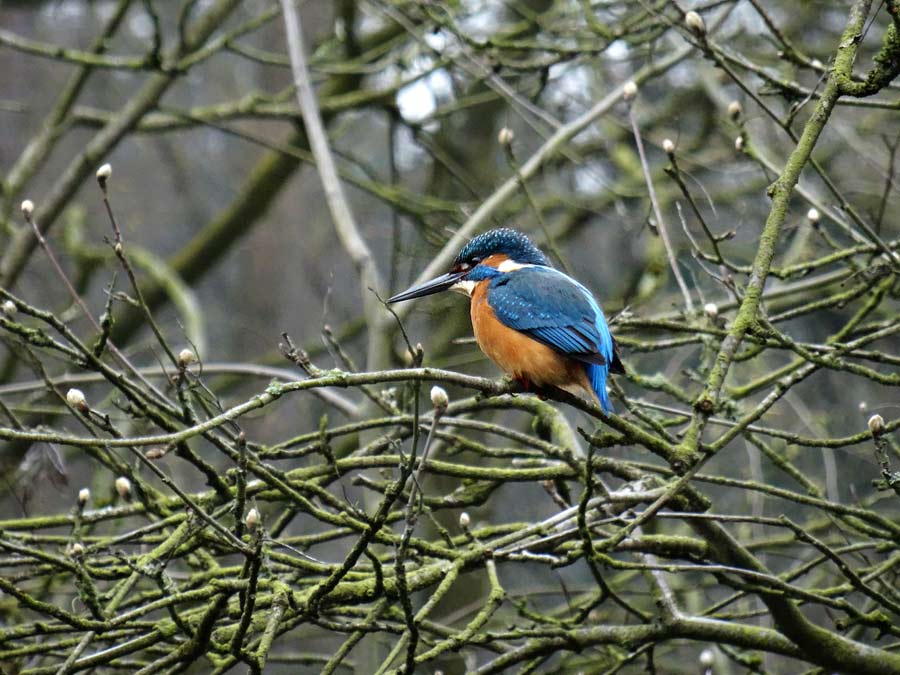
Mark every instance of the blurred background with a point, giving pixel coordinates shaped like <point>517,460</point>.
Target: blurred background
<point>222,210</point>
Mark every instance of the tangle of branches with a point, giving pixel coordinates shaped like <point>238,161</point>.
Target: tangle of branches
<point>362,497</point>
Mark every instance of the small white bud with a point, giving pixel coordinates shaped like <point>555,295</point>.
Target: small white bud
<point>464,520</point>
<point>739,143</point>
<point>695,22</point>
<point>76,399</point>
<point>27,209</point>
<point>629,90</point>
<point>863,406</point>
<point>104,172</point>
<point>439,398</point>
<point>813,216</point>
<point>84,496</point>
<point>735,110</point>
<point>505,136</point>
<point>876,425</point>
<point>186,357</point>
<point>76,550</point>
<point>9,308</point>
<point>251,520</point>
<point>711,310</point>
<point>707,658</point>
<point>668,146</point>
<point>155,452</point>
<point>123,487</point>
<point>815,63</point>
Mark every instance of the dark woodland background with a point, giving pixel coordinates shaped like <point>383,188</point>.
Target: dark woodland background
<point>232,243</point>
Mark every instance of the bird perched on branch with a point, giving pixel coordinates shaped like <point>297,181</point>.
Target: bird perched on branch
<point>536,323</point>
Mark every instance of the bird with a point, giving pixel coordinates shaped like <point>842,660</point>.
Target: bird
<point>533,321</point>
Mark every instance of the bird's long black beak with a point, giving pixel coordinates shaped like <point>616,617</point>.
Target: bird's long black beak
<point>436,285</point>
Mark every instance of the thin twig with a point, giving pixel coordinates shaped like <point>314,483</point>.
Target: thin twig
<point>345,226</point>
<point>660,223</point>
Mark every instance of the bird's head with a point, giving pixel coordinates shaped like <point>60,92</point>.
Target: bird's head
<point>490,254</point>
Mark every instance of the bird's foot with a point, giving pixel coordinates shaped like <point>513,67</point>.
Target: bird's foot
<point>510,384</point>
<point>516,384</point>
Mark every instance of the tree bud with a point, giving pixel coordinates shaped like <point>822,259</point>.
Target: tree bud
<point>9,307</point>
<point>84,496</point>
<point>76,399</point>
<point>735,110</point>
<point>711,310</point>
<point>695,22</point>
<point>439,398</point>
<point>629,90</point>
<point>668,146</point>
<point>251,520</point>
<point>505,136</point>
<point>186,357</point>
<point>104,172</point>
<point>123,487</point>
<point>27,209</point>
<point>464,520</point>
<point>876,425</point>
<point>813,216</point>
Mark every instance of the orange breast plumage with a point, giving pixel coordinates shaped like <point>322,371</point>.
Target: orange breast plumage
<point>525,359</point>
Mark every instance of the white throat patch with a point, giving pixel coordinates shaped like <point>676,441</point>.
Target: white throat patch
<point>464,287</point>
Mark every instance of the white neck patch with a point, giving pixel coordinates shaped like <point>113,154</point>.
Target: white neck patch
<point>511,266</point>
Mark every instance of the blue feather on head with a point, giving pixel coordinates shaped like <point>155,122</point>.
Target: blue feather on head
<point>506,241</point>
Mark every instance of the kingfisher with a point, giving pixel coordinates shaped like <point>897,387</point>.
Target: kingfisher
<point>536,323</point>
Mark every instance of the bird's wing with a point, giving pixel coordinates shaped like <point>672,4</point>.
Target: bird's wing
<point>554,309</point>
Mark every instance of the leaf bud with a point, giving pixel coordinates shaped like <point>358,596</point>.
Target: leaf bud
<point>735,110</point>
<point>76,399</point>
<point>464,520</point>
<point>8,307</point>
<point>186,357</point>
<point>629,90</point>
<point>668,146</point>
<point>695,22</point>
<point>876,425</point>
<point>251,520</point>
<point>123,487</point>
<point>711,310</point>
<point>84,496</point>
<point>27,209</point>
<point>813,216</point>
<point>439,398</point>
<point>505,136</point>
<point>104,173</point>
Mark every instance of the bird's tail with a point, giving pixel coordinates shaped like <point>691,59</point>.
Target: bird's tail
<point>597,375</point>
